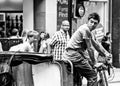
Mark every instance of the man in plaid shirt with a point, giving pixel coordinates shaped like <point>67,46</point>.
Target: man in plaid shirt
<point>59,40</point>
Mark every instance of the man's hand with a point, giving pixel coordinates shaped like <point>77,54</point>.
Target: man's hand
<point>108,56</point>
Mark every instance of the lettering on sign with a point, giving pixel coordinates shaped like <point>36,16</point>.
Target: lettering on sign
<point>62,12</point>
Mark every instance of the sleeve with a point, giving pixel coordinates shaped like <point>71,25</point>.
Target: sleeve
<point>12,48</point>
<point>85,33</point>
<point>54,40</point>
<point>29,49</point>
<point>15,48</point>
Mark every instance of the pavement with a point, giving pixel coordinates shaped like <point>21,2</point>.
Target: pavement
<point>113,79</point>
<point>116,79</point>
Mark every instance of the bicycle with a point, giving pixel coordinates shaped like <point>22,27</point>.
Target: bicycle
<point>101,68</point>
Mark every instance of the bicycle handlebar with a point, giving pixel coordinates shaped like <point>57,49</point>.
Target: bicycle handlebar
<point>106,65</point>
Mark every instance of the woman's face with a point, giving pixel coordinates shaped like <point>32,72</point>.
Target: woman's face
<point>33,39</point>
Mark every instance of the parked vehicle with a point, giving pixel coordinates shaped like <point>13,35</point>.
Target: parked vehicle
<point>51,72</point>
<point>47,72</point>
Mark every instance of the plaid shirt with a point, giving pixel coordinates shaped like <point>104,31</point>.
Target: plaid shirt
<point>59,43</point>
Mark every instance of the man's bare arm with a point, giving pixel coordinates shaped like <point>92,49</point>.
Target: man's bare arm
<point>90,50</point>
<point>99,48</point>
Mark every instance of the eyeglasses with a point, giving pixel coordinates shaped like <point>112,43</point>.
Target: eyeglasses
<point>65,25</point>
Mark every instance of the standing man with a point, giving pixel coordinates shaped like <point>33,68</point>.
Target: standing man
<point>81,41</point>
<point>59,40</point>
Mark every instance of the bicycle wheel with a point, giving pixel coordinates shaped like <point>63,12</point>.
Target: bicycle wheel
<point>103,79</point>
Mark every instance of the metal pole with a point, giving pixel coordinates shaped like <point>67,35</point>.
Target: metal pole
<point>70,15</point>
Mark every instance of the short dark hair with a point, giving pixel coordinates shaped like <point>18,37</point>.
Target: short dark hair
<point>47,35</point>
<point>14,31</point>
<point>94,16</point>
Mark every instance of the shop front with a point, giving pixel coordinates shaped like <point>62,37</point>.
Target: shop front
<point>11,16</point>
<point>15,14</point>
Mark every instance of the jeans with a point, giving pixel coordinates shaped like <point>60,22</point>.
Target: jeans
<point>81,67</point>
<point>84,69</point>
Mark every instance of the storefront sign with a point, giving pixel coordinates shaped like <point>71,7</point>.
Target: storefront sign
<point>62,12</point>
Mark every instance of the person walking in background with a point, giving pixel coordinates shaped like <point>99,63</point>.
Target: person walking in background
<point>45,44</point>
<point>24,35</point>
<point>14,33</point>
<point>81,41</point>
<point>59,40</point>
<point>40,40</point>
<point>106,42</point>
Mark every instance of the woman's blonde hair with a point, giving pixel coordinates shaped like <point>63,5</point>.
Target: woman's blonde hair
<point>32,33</point>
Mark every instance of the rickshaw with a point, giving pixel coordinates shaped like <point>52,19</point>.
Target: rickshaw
<point>46,71</point>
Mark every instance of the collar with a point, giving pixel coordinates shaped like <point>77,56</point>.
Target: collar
<point>61,30</point>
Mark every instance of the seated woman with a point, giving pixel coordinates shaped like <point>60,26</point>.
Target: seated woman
<point>26,46</point>
<point>23,73</point>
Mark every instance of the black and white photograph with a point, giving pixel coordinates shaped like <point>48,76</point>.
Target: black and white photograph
<point>59,43</point>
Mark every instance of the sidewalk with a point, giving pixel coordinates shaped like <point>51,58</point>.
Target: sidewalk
<point>113,80</point>
<point>116,80</point>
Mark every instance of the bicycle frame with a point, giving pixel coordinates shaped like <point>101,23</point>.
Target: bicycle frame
<point>103,80</point>
<point>102,75</point>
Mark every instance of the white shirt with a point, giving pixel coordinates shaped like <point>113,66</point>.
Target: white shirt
<point>24,47</point>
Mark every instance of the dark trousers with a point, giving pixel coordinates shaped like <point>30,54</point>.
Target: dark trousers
<point>83,68</point>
